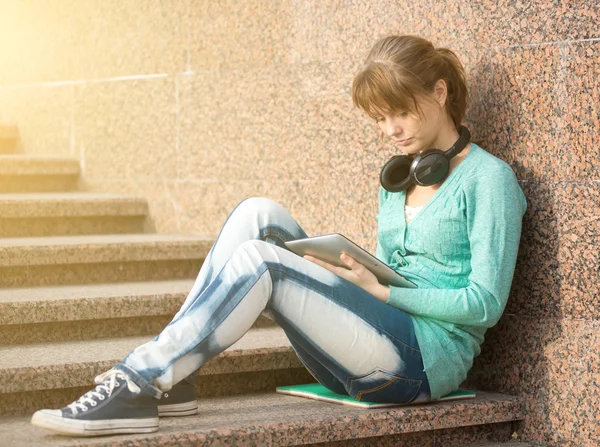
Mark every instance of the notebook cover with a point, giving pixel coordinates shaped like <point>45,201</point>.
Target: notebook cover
<point>319,392</point>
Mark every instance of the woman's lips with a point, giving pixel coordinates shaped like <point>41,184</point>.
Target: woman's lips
<point>405,142</point>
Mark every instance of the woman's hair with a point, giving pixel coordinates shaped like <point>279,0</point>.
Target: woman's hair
<point>399,68</point>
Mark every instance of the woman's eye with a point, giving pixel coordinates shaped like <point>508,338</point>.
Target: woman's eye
<point>379,119</point>
<point>403,114</point>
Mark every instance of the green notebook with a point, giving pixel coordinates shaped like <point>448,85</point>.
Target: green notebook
<point>319,392</point>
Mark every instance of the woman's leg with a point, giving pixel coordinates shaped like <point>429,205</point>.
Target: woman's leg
<point>255,218</point>
<point>367,345</point>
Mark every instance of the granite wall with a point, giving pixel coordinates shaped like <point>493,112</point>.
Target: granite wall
<point>199,104</point>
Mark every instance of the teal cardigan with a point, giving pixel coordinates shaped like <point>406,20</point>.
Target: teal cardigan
<point>460,250</point>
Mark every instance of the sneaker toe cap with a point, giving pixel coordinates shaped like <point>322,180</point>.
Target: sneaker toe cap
<point>55,413</point>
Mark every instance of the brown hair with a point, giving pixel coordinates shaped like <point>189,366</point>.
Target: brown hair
<point>398,68</point>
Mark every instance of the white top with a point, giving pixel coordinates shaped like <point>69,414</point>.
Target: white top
<point>411,211</point>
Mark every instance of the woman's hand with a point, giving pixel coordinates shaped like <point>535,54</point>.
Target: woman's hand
<point>358,274</point>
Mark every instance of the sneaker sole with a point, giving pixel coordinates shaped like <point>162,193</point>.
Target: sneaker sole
<point>76,427</point>
<point>183,409</point>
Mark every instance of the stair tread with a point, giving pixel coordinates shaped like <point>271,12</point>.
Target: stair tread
<point>91,301</point>
<point>86,249</point>
<point>69,204</point>
<point>73,352</point>
<point>59,196</point>
<point>101,239</point>
<point>273,419</point>
<point>59,365</point>
<point>88,291</point>
<point>20,164</point>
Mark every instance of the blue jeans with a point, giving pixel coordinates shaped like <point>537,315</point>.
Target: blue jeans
<point>351,342</point>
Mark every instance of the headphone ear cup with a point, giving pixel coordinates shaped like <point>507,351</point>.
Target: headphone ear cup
<point>395,174</point>
<point>431,167</point>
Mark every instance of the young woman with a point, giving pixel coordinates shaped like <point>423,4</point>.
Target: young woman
<point>449,221</point>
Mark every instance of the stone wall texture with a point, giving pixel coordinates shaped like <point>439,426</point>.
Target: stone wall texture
<point>197,104</point>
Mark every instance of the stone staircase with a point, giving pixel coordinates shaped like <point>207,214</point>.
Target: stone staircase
<point>83,280</point>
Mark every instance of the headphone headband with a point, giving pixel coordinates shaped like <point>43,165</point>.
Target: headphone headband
<point>426,168</point>
<point>460,144</point>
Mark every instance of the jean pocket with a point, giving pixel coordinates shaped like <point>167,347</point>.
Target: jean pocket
<point>383,386</point>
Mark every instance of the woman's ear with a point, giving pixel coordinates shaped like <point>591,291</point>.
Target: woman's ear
<point>440,91</point>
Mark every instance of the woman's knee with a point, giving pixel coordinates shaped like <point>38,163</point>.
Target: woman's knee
<point>254,250</point>
<point>259,205</point>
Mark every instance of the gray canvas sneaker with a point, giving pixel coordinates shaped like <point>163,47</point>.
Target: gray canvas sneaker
<point>178,401</point>
<point>116,405</point>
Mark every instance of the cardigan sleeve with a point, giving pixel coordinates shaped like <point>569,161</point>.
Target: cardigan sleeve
<point>495,205</point>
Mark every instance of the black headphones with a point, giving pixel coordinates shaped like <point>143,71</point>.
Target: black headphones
<point>425,168</point>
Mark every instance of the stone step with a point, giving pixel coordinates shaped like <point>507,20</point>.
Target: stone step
<point>54,374</point>
<point>23,173</point>
<point>9,137</point>
<point>80,312</point>
<point>278,420</point>
<point>70,213</point>
<point>43,314</point>
<point>63,260</point>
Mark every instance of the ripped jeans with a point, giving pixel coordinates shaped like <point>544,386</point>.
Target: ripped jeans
<point>351,342</point>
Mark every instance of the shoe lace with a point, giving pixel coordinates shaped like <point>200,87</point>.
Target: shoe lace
<point>105,384</point>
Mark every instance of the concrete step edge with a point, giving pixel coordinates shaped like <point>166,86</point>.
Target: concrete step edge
<point>59,250</point>
<point>39,205</point>
<point>19,164</point>
<point>92,301</point>
<point>274,419</point>
<point>46,366</point>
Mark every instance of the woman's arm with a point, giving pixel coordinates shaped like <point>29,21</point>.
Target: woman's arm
<point>495,208</point>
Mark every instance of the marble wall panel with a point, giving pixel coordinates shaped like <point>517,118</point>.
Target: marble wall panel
<point>255,124</point>
<point>44,116</point>
<point>507,22</point>
<point>544,108</point>
<point>35,39</point>
<point>525,128</point>
<point>127,130</point>
<point>319,208</point>
<point>558,263</point>
<point>246,34</point>
<point>116,38</point>
<point>223,124</point>
<point>581,109</point>
<point>340,29</point>
<point>553,364</point>
<point>72,40</point>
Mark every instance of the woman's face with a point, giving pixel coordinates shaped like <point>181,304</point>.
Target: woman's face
<point>411,133</point>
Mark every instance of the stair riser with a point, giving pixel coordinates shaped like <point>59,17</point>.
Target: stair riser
<point>8,147</point>
<point>476,435</point>
<point>38,183</point>
<point>27,402</point>
<point>71,226</point>
<point>21,334</point>
<point>9,140</point>
<point>109,272</point>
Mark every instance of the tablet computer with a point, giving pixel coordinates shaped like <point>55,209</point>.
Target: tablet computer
<point>329,247</point>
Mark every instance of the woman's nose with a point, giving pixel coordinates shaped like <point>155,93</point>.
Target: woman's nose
<point>392,128</point>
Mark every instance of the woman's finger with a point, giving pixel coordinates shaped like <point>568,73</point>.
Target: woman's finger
<point>332,268</point>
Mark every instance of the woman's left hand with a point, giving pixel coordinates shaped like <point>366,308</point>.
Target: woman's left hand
<point>358,274</point>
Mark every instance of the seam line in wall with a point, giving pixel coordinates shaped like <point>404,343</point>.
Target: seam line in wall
<point>89,81</point>
<point>539,44</point>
